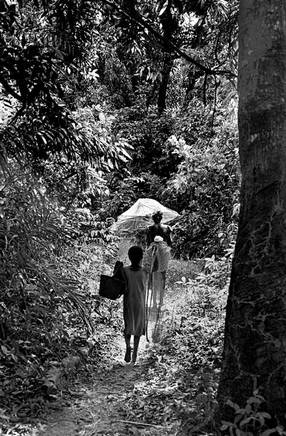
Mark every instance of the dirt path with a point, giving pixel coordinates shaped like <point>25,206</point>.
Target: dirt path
<point>97,408</point>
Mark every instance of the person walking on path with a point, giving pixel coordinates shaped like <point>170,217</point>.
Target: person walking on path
<point>158,251</point>
<point>158,229</point>
<point>134,302</point>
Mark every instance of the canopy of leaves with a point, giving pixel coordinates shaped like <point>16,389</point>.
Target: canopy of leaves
<point>44,49</point>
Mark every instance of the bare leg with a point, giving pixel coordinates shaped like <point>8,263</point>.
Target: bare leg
<point>135,350</point>
<point>127,357</point>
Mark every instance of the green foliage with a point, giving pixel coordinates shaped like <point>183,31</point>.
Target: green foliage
<point>44,70</point>
<point>151,165</point>
<point>148,135</point>
<point>85,183</point>
<point>251,420</point>
<point>205,187</point>
<point>49,271</point>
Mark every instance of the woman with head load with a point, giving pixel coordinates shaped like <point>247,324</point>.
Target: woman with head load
<point>158,229</point>
<point>157,257</point>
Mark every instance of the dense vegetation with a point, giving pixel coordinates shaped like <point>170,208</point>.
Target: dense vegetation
<point>103,103</point>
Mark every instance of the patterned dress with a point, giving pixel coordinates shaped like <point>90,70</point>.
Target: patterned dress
<point>134,301</point>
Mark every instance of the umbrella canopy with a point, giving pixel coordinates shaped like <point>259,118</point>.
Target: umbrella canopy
<point>130,225</point>
<point>139,215</point>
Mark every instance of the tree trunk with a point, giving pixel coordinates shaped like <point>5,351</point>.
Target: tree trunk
<point>169,24</point>
<point>255,330</point>
<point>165,76</point>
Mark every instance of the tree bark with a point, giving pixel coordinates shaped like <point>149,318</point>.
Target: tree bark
<point>255,329</point>
<point>165,77</point>
<point>170,26</point>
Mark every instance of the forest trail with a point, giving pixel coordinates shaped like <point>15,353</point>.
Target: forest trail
<point>97,410</point>
<point>96,407</point>
<point>171,391</point>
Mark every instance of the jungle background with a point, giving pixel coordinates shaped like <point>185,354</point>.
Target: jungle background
<point>103,103</point>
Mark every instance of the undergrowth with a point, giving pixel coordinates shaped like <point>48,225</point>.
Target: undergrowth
<point>50,311</point>
<point>180,385</point>
<point>179,388</point>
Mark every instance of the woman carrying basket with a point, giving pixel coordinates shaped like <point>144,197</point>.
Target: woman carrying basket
<point>157,256</point>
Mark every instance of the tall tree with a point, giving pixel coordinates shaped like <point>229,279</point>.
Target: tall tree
<point>169,23</point>
<point>255,331</point>
<point>161,32</point>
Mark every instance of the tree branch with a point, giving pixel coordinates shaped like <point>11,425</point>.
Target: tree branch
<point>10,90</point>
<point>166,42</point>
<point>17,115</point>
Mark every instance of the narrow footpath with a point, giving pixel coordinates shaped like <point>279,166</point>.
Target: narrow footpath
<point>96,411</point>
<point>98,406</point>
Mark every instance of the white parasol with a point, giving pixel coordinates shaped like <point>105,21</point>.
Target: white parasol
<point>139,216</point>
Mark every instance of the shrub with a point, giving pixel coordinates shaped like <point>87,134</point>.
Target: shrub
<point>49,306</point>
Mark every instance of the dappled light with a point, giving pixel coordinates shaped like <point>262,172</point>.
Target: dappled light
<point>142,218</point>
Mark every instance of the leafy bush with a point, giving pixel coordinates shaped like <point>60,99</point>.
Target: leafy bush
<point>251,420</point>
<point>205,187</point>
<point>49,305</point>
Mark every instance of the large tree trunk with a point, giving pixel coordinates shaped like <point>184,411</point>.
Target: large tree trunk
<point>255,330</point>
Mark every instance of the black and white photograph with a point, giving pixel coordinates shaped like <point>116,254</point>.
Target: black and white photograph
<point>143,217</point>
